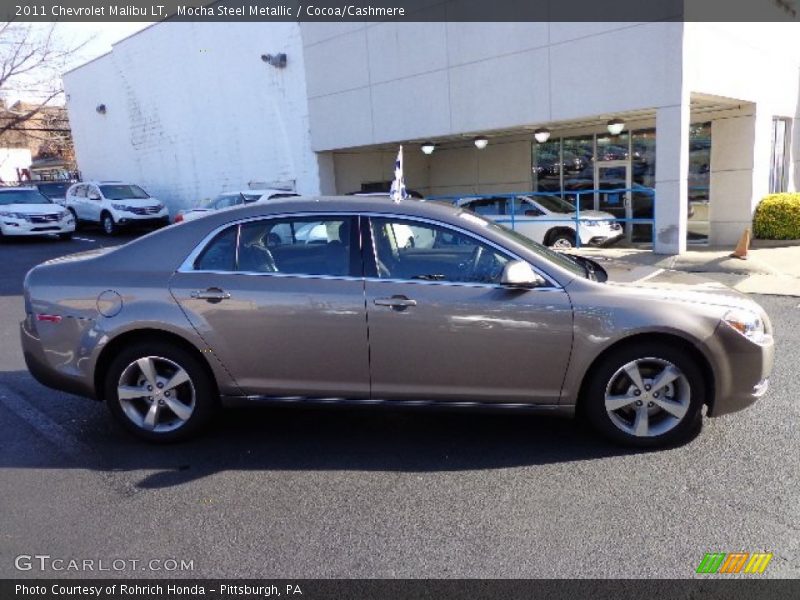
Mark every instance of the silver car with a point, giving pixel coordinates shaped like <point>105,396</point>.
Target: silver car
<point>392,304</point>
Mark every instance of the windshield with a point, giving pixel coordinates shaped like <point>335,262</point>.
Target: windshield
<point>23,197</point>
<point>562,260</point>
<point>555,204</point>
<point>53,190</point>
<point>123,192</point>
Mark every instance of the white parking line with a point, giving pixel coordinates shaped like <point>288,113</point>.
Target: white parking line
<point>83,239</point>
<point>44,425</point>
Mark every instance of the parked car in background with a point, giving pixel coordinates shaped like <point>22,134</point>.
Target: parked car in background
<point>26,211</point>
<point>115,204</point>
<point>548,220</point>
<point>470,316</point>
<point>230,199</point>
<point>55,190</point>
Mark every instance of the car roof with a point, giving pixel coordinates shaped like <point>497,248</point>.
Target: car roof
<point>358,204</point>
<point>260,192</point>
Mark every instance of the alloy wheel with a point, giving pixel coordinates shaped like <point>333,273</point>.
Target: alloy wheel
<point>108,224</point>
<point>156,394</point>
<point>647,397</point>
<point>562,243</point>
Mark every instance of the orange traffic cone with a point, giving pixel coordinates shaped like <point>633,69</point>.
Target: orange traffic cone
<point>741,248</point>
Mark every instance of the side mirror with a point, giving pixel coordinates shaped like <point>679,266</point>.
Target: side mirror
<point>520,274</point>
<point>93,196</point>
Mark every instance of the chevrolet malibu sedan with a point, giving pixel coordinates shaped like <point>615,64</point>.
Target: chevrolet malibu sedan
<point>460,313</point>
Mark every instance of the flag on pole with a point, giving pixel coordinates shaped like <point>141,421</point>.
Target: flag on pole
<point>398,191</point>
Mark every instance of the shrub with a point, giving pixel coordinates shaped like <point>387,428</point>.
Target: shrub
<point>777,217</point>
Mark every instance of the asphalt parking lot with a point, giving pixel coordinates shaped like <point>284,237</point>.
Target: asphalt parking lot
<point>342,493</point>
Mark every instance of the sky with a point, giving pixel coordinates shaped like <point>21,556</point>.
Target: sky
<point>98,38</point>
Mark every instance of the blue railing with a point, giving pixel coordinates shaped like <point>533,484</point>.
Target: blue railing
<point>511,217</point>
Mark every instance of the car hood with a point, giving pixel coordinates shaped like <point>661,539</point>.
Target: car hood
<point>32,209</point>
<point>678,286</point>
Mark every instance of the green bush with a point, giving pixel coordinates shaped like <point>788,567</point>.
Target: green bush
<point>778,217</point>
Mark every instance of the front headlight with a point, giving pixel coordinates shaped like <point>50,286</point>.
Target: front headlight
<point>121,207</point>
<point>13,215</point>
<point>748,323</point>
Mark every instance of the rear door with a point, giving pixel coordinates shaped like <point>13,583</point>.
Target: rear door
<point>285,315</point>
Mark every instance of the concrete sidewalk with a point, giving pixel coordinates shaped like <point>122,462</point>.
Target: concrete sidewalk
<point>771,267</point>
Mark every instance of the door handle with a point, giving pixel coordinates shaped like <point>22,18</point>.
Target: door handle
<point>396,302</point>
<point>211,294</point>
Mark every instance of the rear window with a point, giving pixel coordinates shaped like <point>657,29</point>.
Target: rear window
<point>8,197</point>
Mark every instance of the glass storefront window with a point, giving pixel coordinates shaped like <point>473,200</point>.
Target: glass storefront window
<point>579,170</point>
<point>547,166</point>
<point>643,175</point>
<point>699,182</point>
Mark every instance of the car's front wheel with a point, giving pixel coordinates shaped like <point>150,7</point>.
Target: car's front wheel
<point>109,226</point>
<point>646,395</point>
<point>160,391</point>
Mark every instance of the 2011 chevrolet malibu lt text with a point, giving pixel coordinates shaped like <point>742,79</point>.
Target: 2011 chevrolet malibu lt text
<point>366,301</point>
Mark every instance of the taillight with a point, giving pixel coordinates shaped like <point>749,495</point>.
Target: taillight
<point>178,218</point>
<point>48,318</point>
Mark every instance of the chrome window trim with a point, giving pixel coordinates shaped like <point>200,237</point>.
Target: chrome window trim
<point>187,265</point>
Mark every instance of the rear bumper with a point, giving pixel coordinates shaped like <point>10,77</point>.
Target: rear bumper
<point>46,373</point>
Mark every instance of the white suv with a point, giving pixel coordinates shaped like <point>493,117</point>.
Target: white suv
<point>113,204</point>
<point>549,220</point>
<point>230,199</point>
<point>26,211</point>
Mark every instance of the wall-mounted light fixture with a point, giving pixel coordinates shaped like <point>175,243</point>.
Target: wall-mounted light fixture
<point>480,142</point>
<point>541,135</point>
<point>615,126</point>
<point>276,60</point>
<point>428,147</point>
<point>101,109</point>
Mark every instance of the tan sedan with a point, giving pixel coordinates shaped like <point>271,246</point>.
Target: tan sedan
<point>362,301</point>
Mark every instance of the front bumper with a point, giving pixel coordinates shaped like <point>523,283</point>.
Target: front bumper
<point>15,227</point>
<point>742,371</point>
<point>130,220</point>
<point>602,237</point>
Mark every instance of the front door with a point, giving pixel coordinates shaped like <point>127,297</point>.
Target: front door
<point>613,182</point>
<point>441,327</point>
<point>281,308</point>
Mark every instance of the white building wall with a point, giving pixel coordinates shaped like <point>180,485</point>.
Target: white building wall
<point>757,64</point>
<point>382,83</point>
<point>192,110</point>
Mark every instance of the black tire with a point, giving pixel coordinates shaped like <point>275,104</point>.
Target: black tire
<point>605,375</point>
<point>201,382</point>
<point>563,239</point>
<point>107,224</point>
<point>75,218</point>
<point>65,236</point>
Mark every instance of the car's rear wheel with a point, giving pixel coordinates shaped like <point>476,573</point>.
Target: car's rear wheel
<point>160,392</point>
<point>74,217</point>
<point>646,395</point>
<point>108,224</point>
